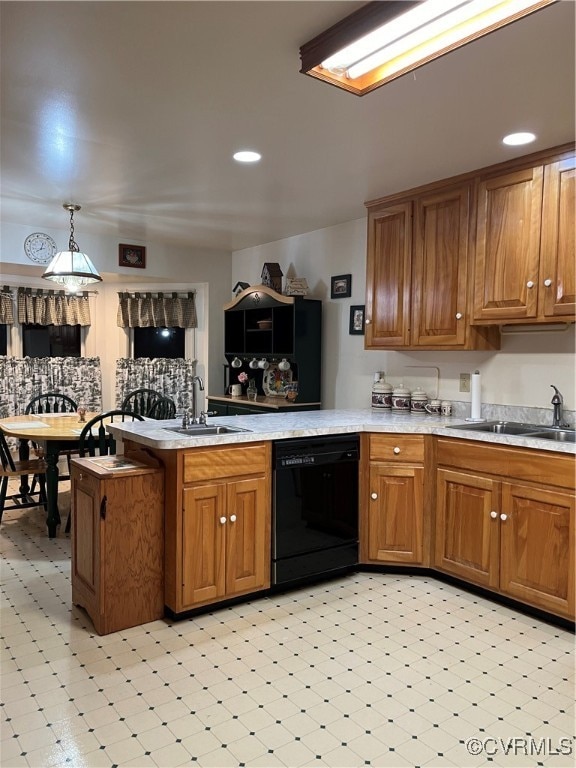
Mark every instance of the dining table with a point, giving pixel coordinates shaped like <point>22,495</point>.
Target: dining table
<point>52,432</point>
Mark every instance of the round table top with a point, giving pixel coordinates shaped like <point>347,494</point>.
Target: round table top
<point>45,426</point>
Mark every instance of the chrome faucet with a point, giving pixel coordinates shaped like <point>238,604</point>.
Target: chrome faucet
<point>558,403</point>
<point>195,380</point>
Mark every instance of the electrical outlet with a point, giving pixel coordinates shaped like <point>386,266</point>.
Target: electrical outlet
<point>464,382</point>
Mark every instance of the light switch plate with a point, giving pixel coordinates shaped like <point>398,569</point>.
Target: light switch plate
<point>464,382</point>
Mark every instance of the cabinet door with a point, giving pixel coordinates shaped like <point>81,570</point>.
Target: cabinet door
<point>557,288</point>
<point>537,547</point>
<point>247,536</point>
<point>508,246</point>
<point>440,268</point>
<point>86,543</point>
<point>388,277</point>
<point>467,527</point>
<point>203,543</point>
<point>395,514</point>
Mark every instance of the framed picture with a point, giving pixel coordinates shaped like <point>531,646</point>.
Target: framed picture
<point>131,256</point>
<point>341,286</point>
<point>357,320</point>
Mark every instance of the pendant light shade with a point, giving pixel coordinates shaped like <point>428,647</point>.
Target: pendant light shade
<point>72,268</point>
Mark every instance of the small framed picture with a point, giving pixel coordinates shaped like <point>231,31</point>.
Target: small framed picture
<point>132,256</point>
<point>357,320</point>
<point>341,286</point>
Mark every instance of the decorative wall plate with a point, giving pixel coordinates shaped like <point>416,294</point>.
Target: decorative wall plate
<point>273,381</point>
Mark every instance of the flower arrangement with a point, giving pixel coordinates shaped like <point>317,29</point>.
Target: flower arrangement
<point>243,377</point>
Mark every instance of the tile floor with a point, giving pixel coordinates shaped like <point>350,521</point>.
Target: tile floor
<point>369,670</point>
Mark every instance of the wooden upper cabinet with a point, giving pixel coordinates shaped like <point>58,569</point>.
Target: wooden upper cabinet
<point>440,268</point>
<point>524,262</point>
<point>417,274</point>
<point>557,290</point>
<point>388,277</point>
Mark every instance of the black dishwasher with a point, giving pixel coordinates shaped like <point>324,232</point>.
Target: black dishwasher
<point>315,509</point>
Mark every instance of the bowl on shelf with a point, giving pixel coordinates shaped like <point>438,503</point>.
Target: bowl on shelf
<point>264,325</point>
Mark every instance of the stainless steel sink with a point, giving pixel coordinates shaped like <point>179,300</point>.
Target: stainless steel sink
<point>205,430</point>
<point>518,428</point>
<point>558,435</point>
<point>501,427</point>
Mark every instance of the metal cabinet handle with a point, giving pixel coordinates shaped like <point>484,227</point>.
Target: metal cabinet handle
<point>458,315</point>
<point>503,518</point>
<point>222,520</point>
<point>548,283</point>
<point>493,515</point>
<point>80,476</point>
<point>103,504</point>
<point>232,518</point>
<point>396,450</point>
<point>373,495</point>
<point>530,284</point>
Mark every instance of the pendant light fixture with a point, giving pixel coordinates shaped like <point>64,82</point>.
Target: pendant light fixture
<point>385,39</point>
<point>72,268</point>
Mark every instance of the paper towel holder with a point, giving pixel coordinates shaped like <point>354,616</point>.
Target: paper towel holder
<point>470,418</point>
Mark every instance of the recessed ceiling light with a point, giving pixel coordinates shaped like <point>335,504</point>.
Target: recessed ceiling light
<point>247,156</point>
<point>515,139</point>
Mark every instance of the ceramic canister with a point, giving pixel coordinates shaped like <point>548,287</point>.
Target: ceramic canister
<point>418,401</point>
<point>381,394</point>
<point>400,399</point>
<point>433,407</point>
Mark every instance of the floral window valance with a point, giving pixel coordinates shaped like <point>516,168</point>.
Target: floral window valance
<point>6,306</point>
<point>52,307</point>
<point>147,310</point>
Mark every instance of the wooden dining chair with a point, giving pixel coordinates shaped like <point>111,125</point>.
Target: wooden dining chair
<point>12,469</point>
<point>95,440</point>
<point>54,402</point>
<point>164,408</point>
<point>141,401</point>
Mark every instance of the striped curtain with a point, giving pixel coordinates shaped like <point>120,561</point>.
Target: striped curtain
<point>6,306</point>
<point>156,311</point>
<point>41,307</point>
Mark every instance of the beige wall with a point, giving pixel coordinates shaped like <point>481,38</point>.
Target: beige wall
<point>519,374</point>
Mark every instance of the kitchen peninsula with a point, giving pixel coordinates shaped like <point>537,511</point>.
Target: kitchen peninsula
<point>418,474</point>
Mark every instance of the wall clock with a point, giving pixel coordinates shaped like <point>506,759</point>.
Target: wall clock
<point>40,248</point>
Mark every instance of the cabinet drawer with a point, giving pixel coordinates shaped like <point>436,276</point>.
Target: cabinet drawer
<point>216,463</point>
<point>522,463</point>
<point>397,448</point>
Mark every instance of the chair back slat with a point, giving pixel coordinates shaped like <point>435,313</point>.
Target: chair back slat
<point>165,408</point>
<point>95,440</point>
<point>51,402</point>
<point>5,456</point>
<point>141,401</point>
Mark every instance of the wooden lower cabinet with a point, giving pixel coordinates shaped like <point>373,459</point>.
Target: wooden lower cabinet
<point>392,507</point>
<point>117,544</point>
<point>514,535</point>
<point>218,517</point>
<point>225,542</point>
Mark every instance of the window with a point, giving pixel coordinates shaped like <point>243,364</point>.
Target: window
<point>3,339</point>
<point>51,340</point>
<point>159,342</point>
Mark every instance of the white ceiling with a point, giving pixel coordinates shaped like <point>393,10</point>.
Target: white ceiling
<point>133,110</point>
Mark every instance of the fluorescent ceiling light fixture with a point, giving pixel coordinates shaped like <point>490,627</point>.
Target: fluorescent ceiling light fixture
<point>388,38</point>
<point>516,139</point>
<point>71,268</point>
<point>247,156</point>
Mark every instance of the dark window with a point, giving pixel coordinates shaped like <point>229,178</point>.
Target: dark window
<point>3,339</point>
<point>51,340</point>
<point>159,342</point>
